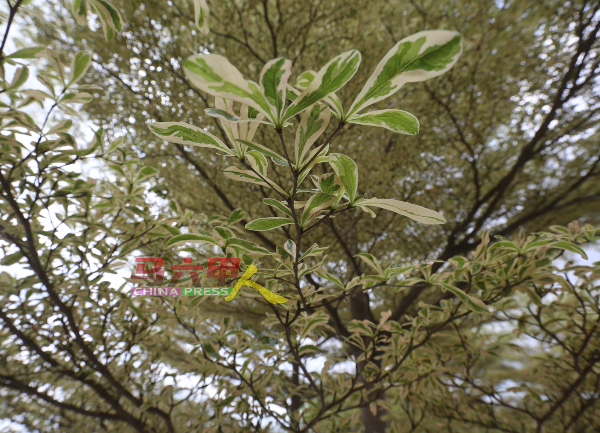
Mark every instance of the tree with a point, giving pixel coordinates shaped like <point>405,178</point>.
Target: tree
<point>396,361</point>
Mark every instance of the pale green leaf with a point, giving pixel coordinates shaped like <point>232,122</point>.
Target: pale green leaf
<point>189,237</point>
<point>109,16</point>
<point>27,53</point>
<point>471,302</point>
<point>273,82</point>
<point>79,66</point>
<point>315,205</point>
<point>372,261</point>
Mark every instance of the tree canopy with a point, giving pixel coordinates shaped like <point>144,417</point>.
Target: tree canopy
<point>406,324</point>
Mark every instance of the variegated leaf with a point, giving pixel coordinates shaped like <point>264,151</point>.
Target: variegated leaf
<point>214,75</point>
<point>278,205</point>
<point>264,150</point>
<point>264,224</point>
<point>79,9</point>
<point>249,176</point>
<point>417,213</point>
<point>313,124</point>
<point>372,261</point>
<point>273,82</point>
<point>224,115</point>
<point>322,157</point>
<point>246,130</point>
<point>183,133</point>
<point>418,57</point>
<point>398,121</point>
<point>347,171</point>
<point>304,80</point>
<point>109,17</point>
<point>337,72</point>
<point>201,16</point>
<point>314,250</point>
<point>79,66</point>
<point>258,162</point>
<point>314,205</point>
<point>247,247</point>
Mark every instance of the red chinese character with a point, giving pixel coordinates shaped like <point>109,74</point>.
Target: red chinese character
<point>187,267</point>
<point>141,273</point>
<point>222,268</point>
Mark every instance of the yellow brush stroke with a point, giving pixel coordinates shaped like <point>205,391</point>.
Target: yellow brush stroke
<point>245,281</point>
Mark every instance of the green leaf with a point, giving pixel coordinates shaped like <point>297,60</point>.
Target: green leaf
<point>419,57</point>
<point>337,72</point>
<point>347,171</point>
<point>235,216</point>
<point>398,121</point>
<point>309,348</point>
<point>273,82</point>
<point>27,53</point>
<point>506,245</point>
<point>564,245</point>
<point>473,303</point>
<point>79,66</point>
<point>189,237</point>
<point>109,16</point>
<point>182,133</point>
<point>311,127</point>
<point>279,205</point>
<point>214,75</point>
<point>19,78</point>
<point>314,206</point>
<point>11,259</point>
<point>264,224</point>
<point>201,16</point>
<point>328,183</point>
<point>417,213</point>
<point>228,399</point>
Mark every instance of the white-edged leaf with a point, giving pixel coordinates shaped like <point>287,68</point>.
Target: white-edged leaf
<point>258,162</point>
<point>304,80</point>
<point>79,66</point>
<point>248,247</point>
<point>319,159</point>
<point>109,16</point>
<point>337,72</point>
<point>247,131</point>
<point>189,237</point>
<point>201,16</point>
<point>418,57</point>
<point>472,302</point>
<point>311,127</point>
<point>398,121</point>
<point>249,176</point>
<point>19,78</point>
<point>263,224</point>
<point>314,205</point>
<point>417,213</point>
<point>313,250</point>
<point>27,53</point>
<point>79,9</point>
<point>372,261</point>
<point>273,82</point>
<point>278,205</point>
<point>215,75</point>
<point>564,245</point>
<point>183,133</point>
<point>262,149</point>
<point>224,115</point>
<point>347,171</point>
<point>235,216</point>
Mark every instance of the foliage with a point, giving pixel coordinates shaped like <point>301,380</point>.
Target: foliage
<point>348,350</point>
